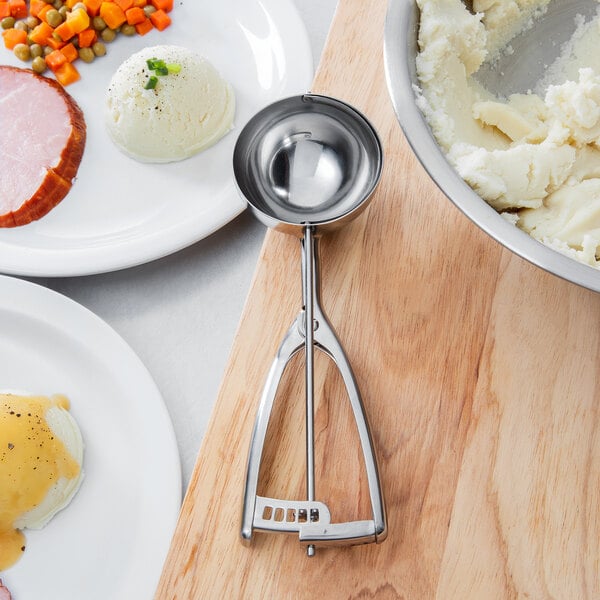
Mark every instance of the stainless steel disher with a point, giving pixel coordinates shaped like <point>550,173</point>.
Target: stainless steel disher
<point>306,165</point>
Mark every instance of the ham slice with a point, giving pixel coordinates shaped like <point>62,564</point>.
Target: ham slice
<point>42,139</point>
<point>4,593</point>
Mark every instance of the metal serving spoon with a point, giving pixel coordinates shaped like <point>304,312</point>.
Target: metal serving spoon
<point>307,165</point>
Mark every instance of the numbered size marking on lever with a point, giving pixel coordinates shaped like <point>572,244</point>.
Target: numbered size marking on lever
<point>288,516</point>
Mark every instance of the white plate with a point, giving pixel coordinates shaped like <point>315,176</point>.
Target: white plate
<point>111,541</point>
<point>121,213</point>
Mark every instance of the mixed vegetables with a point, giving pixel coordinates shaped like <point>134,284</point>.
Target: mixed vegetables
<point>53,34</point>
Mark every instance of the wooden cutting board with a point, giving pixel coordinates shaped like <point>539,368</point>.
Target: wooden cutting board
<point>480,377</point>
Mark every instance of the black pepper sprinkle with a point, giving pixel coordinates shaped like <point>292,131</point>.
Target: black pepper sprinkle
<point>10,445</point>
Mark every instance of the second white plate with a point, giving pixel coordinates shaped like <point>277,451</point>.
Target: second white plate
<point>119,212</point>
<point>111,541</point>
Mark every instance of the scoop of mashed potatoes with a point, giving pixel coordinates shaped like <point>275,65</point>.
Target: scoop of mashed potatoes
<point>187,110</point>
<point>533,156</point>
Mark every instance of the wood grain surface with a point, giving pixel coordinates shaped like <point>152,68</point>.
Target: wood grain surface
<point>479,373</point>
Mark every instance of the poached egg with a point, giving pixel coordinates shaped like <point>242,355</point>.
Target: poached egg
<point>41,455</point>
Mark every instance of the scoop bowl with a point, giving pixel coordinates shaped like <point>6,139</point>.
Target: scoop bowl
<point>307,160</point>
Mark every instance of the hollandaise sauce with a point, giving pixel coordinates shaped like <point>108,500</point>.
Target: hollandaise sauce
<point>33,459</point>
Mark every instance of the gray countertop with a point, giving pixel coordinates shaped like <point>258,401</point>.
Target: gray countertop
<point>180,313</point>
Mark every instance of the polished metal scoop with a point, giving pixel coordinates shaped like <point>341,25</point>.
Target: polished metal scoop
<point>306,165</point>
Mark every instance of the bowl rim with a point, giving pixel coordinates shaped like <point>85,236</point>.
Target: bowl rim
<point>400,44</point>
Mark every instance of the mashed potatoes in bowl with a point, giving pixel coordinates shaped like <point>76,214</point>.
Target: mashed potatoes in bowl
<point>525,144</point>
<point>163,117</point>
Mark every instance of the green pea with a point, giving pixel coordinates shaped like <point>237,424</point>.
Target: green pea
<point>38,64</point>
<point>22,52</point>
<point>99,49</point>
<point>108,34</point>
<point>36,50</point>
<point>98,23</point>
<point>127,29</point>
<point>7,23</point>
<point>53,18</point>
<point>86,55</point>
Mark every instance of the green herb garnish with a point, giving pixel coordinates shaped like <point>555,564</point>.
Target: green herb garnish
<point>151,83</point>
<point>154,63</point>
<point>161,69</point>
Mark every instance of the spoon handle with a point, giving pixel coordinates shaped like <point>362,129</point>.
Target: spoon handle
<point>309,283</point>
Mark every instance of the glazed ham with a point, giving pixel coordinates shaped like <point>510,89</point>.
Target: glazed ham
<point>41,145</point>
<point>4,593</point>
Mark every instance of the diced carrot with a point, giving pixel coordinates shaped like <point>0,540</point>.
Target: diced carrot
<point>144,27</point>
<point>13,36</point>
<point>93,7</point>
<point>67,74</point>
<point>160,19</point>
<point>40,33</point>
<point>42,12</point>
<point>135,15</point>
<point>4,10</point>
<point>166,5</point>
<point>71,3</point>
<point>64,31</point>
<point>54,43</point>
<point>18,9</point>
<point>124,4</point>
<point>55,60</point>
<point>112,14</point>
<point>35,6</point>
<point>77,21</point>
<point>70,52</point>
<point>87,38</point>
<point>140,3</point>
